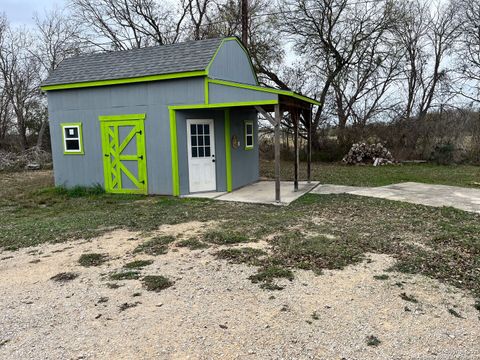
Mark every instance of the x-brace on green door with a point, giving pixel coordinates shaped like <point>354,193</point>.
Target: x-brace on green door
<point>124,159</point>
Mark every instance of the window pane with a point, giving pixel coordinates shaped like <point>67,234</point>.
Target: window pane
<point>249,140</point>
<point>206,129</point>
<point>249,129</point>
<point>207,140</point>
<point>194,152</point>
<point>193,129</point>
<point>200,152</point>
<point>207,151</point>
<point>200,140</point>
<point>194,140</point>
<point>72,145</point>
<point>200,129</point>
<point>71,132</point>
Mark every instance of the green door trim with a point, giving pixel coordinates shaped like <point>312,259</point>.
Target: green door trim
<point>115,148</point>
<point>172,109</point>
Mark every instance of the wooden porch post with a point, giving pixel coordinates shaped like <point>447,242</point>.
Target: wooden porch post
<point>278,118</point>
<point>295,119</point>
<point>309,144</point>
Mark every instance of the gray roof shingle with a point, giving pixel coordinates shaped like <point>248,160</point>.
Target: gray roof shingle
<point>155,60</point>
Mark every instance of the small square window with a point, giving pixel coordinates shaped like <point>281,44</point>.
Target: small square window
<point>249,135</point>
<point>72,138</point>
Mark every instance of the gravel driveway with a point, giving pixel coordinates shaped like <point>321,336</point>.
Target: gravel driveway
<point>214,310</point>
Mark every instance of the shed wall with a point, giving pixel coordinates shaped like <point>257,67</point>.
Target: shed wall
<point>227,94</point>
<point>85,105</point>
<point>245,163</point>
<point>233,64</point>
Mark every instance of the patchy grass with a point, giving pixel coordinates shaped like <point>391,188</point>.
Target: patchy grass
<point>247,255</point>
<point>32,212</point>
<point>373,341</point>
<point>454,313</point>
<point>138,264</point>
<point>113,286</point>
<point>315,252</point>
<point>80,191</point>
<point>126,306</point>
<point>266,276</point>
<point>409,298</point>
<point>221,237</point>
<point>64,277</point>
<point>92,259</point>
<point>155,246</point>
<point>192,244</point>
<point>336,173</point>
<point>477,305</point>
<point>156,283</point>
<point>381,277</point>
<point>125,275</point>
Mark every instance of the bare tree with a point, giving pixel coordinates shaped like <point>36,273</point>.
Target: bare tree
<point>200,13</point>
<point>469,48</point>
<point>263,42</point>
<point>57,37</point>
<point>427,34</point>
<point>337,37</point>
<point>126,24</point>
<point>21,77</point>
<point>5,106</point>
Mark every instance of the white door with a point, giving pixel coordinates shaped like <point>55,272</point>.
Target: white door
<point>201,155</point>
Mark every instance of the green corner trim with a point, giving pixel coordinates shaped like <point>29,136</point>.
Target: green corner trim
<point>174,153</point>
<point>122,117</point>
<point>124,81</point>
<point>265,89</point>
<point>206,90</point>
<point>223,105</point>
<point>248,147</point>
<point>228,154</point>
<point>243,48</point>
<point>80,138</point>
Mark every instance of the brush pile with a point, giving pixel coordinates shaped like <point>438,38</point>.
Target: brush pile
<point>31,159</point>
<point>362,153</point>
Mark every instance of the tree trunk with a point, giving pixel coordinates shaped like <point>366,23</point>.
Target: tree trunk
<point>41,134</point>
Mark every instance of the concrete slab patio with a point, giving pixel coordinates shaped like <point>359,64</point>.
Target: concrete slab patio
<point>262,192</point>
<point>416,193</point>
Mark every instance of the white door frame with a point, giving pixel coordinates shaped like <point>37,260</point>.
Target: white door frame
<point>202,175</point>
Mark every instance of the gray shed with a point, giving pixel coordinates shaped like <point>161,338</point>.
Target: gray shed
<point>173,119</point>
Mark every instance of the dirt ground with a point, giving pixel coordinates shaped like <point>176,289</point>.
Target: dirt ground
<point>214,310</point>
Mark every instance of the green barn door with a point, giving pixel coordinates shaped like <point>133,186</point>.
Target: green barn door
<point>124,160</point>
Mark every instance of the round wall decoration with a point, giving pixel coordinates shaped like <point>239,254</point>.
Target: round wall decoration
<point>235,142</point>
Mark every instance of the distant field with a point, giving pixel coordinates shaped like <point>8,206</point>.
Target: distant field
<point>328,173</point>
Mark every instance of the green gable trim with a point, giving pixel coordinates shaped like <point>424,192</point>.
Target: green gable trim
<point>124,81</point>
<point>223,105</point>
<point>264,89</point>
<point>243,48</point>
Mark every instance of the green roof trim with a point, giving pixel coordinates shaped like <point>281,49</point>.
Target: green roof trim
<point>223,105</point>
<point>265,89</point>
<point>124,81</point>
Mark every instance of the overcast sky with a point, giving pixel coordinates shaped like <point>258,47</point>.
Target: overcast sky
<point>20,12</point>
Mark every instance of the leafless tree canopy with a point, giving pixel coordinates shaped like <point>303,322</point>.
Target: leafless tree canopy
<point>397,63</point>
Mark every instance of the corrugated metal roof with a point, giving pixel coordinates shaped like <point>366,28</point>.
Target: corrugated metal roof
<point>155,60</point>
